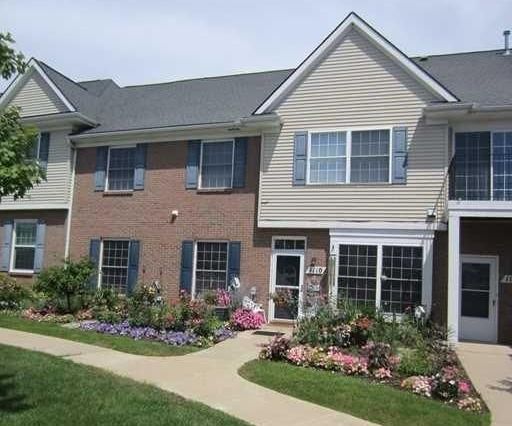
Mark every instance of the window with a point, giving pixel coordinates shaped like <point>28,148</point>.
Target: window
<point>121,168</point>
<point>370,156</point>
<point>211,266</point>
<point>402,269</point>
<point>502,166</point>
<point>328,159</point>
<point>24,246</point>
<point>357,273</point>
<point>391,274</point>
<point>34,149</point>
<point>361,156</point>
<point>114,265</point>
<point>289,243</point>
<point>217,164</point>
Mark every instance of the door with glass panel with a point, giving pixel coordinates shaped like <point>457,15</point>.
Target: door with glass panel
<point>287,278</point>
<point>478,298</point>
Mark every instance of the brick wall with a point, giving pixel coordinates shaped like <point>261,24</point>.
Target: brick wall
<point>146,216</point>
<point>55,236</point>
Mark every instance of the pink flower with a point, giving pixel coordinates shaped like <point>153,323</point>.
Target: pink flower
<point>464,386</point>
<point>244,319</point>
<point>382,373</point>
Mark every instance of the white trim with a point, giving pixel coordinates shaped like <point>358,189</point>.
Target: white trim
<point>313,224</point>
<point>14,245</point>
<point>194,265</point>
<point>352,20</point>
<point>21,78</point>
<point>480,208</point>
<point>71,195</point>
<point>115,191</point>
<point>494,262</point>
<point>200,177</point>
<point>24,205</point>
<point>453,277</point>
<point>273,262</point>
<point>387,237</point>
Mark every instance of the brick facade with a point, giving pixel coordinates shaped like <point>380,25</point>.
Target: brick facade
<point>55,237</point>
<point>146,216</point>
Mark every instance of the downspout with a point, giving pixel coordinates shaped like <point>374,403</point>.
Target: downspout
<point>70,209</point>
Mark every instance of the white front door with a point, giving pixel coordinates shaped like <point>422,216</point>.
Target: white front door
<point>479,298</point>
<point>287,279</point>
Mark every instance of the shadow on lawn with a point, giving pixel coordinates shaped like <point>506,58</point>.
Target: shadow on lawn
<point>10,400</point>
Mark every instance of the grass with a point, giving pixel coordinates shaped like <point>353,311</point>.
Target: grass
<point>119,343</point>
<point>374,402</point>
<point>39,389</point>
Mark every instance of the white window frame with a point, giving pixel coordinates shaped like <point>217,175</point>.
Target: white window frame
<point>348,154</point>
<point>108,168</point>
<point>387,237</point>
<point>14,245</point>
<point>200,181</point>
<point>100,261</point>
<point>194,266</point>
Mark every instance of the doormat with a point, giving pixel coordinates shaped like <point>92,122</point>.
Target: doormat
<point>268,333</point>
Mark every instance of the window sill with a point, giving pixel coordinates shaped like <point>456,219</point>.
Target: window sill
<point>127,193</point>
<point>21,273</point>
<point>214,190</point>
<point>353,184</point>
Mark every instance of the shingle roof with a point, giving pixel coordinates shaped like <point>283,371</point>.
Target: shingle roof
<point>481,77</point>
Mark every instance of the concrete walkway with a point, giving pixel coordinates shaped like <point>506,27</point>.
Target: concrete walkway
<point>490,369</point>
<point>208,376</point>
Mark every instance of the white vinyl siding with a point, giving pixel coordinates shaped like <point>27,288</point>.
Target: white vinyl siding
<point>56,188</point>
<point>37,98</point>
<point>356,87</point>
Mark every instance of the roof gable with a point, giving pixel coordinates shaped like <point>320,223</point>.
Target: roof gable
<point>42,95</point>
<point>333,39</point>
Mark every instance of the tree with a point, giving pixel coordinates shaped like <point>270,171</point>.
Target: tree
<point>19,169</point>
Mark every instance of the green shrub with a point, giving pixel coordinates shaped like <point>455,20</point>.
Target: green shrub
<point>416,362</point>
<point>145,307</point>
<point>66,285</point>
<point>12,295</point>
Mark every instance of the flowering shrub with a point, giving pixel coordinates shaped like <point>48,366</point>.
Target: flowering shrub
<point>276,349</point>
<point>46,315</point>
<point>419,385</point>
<point>382,374</point>
<point>464,387</point>
<point>12,295</point>
<point>244,319</point>
<point>380,355</point>
<point>469,404</point>
<point>223,298</point>
<point>346,363</point>
<point>446,383</point>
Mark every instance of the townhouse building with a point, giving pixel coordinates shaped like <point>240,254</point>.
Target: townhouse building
<point>362,173</point>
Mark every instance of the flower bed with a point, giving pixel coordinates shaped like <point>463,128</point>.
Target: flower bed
<point>379,350</point>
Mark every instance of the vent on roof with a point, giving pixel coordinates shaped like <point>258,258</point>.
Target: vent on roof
<point>506,34</point>
<point>424,58</point>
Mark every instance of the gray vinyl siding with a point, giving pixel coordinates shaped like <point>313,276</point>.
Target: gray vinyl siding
<point>56,189</point>
<point>37,98</point>
<point>355,86</point>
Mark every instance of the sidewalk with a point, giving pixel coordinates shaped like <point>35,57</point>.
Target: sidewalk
<point>208,376</point>
<point>490,369</point>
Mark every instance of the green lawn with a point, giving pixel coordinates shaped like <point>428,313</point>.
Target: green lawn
<point>374,402</point>
<point>119,343</point>
<point>38,389</point>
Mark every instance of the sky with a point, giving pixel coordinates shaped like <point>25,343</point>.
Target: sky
<point>150,41</point>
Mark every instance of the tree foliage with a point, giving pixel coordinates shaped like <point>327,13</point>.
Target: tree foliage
<point>19,170</point>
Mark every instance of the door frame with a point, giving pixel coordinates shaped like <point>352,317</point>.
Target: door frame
<point>494,262</point>
<point>273,263</point>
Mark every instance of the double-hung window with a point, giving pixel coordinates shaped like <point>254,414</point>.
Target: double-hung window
<point>350,156</point>
<point>217,164</point>
<point>114,265</point>
<point>211,268</point>
<point>120,170</point>
<point>24,247</point>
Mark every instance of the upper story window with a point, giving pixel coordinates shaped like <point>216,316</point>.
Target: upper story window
<point>121,167</point>
<point>351,156</point>
<point>217,164</point>
<point>24,246</point>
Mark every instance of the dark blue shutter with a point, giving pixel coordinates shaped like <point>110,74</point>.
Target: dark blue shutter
<point>240,162</point>
<point>44,149</point>
<point>140,166</point>
<point>193,158</point>
<point>300,157</point>
<point>6,245</point>
<point>101,168</point>
<point>133,265</point>
<point>187,260</point>
<point>39,251</point>
<point>234,260</point>
<point>399,163</point>
<point>94,256</point>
